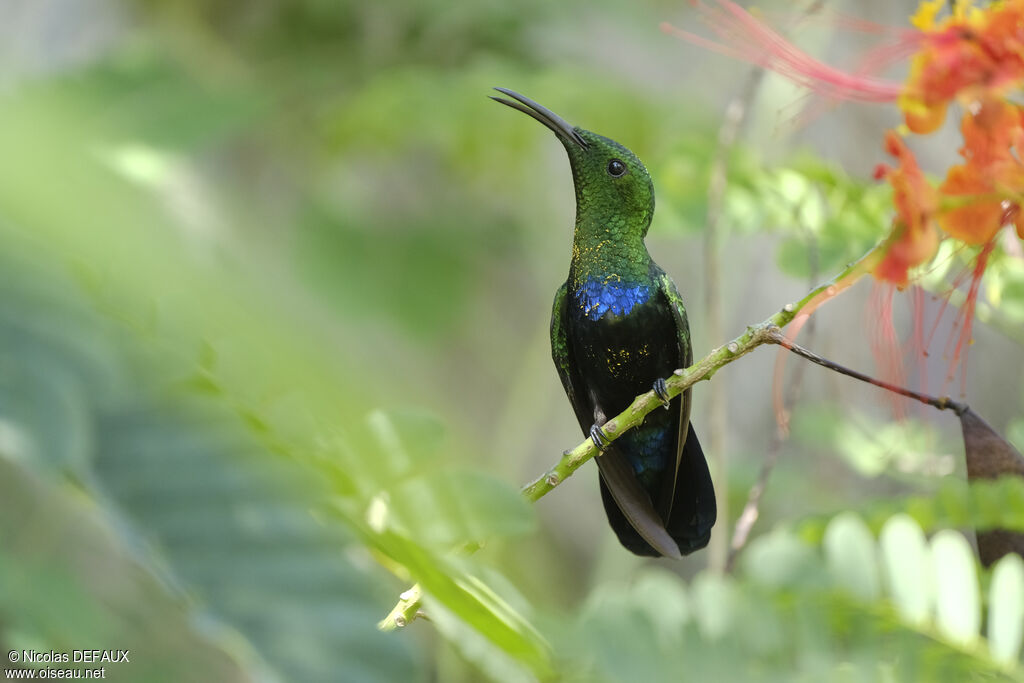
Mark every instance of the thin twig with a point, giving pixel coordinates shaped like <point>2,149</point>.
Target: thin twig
<point>941,403</point>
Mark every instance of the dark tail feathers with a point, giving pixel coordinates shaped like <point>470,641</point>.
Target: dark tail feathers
<point>693,512</point>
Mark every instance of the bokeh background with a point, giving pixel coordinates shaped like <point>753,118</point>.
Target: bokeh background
<point>275,282</point>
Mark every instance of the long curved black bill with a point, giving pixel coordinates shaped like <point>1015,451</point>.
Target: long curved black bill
<point>556,123</point>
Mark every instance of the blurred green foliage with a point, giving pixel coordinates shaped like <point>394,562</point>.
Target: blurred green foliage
<point>275,281</point>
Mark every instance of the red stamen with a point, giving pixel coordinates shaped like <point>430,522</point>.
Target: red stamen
<point>744,37</point>
<point>964,339</point>
<point>884,344</point>
<point>917,340</point>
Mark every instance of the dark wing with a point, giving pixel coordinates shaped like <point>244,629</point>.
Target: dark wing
<point>634,508</point>
<point>687,502</point>
<point>675,304</point>
<point>561,353</point>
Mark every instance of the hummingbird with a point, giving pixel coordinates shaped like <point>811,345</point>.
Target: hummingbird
<point>618,328</point>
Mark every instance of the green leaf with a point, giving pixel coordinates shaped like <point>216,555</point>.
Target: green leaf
<point>1006,609</point>
<point>958,607</point>
<point>67,581</point>
<point>476,646</point>
<point>907,568</point>
<point>715,605</point>
<point>632,631</point>
<point>186,499</point>
<point>851,556</point>
<point>232,522</point>
<point>663,597</point>
<point>778,559</point>
<point>466,597</point>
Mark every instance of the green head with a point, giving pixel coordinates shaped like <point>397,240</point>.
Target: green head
<point>614,193</point>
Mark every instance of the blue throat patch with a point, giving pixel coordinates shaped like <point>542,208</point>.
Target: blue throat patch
<point>596,297</point>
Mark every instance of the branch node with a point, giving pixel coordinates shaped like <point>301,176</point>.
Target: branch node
<point>946,403</point>
<point>733,347</point>
<point>789,308</point>
<point>552,480</point>
<point>400,621</point>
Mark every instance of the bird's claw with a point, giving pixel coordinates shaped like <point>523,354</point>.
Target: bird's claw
<point>599,438</point>
<point>661,391</point>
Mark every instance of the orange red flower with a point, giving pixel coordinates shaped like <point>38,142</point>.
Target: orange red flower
<point>913,239</point>
<point>972,57</point>
<point>972,53</point>
<point>991,179</point>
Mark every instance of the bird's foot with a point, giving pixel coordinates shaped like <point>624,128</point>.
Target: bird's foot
<point>661,391</point>
<point>599,438</point>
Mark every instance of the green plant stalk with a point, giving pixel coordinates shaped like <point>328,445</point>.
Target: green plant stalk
<point>767,332</point>
<point>405,611</point>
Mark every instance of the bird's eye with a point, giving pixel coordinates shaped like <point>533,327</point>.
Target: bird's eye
<point>616,168</point>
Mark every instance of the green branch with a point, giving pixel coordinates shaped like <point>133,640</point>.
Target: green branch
<point>767,332</point>
<point>405,611</point>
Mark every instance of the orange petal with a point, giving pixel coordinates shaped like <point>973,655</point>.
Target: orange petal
<point>976,222</point>
<point>921,118</point>
<point>907,248</point>
<point>990,131</point>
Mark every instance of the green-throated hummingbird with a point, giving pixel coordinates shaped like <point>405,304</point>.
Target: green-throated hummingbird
<point>618,328</point>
